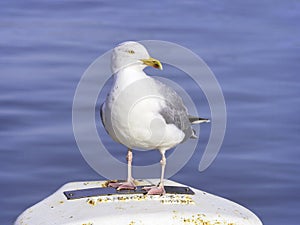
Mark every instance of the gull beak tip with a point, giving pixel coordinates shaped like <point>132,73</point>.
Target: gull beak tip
<point>155,63</point>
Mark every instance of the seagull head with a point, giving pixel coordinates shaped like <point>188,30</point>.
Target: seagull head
<point>132,53</point>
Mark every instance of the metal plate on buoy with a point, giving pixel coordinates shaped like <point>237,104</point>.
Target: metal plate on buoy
<point>92,192</point>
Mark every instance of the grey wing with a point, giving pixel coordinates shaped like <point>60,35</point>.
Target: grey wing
<point>175,111</point>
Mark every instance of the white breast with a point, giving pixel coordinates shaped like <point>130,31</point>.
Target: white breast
<point>132,114</point>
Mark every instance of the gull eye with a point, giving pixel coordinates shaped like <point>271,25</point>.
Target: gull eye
<point>130,51</point>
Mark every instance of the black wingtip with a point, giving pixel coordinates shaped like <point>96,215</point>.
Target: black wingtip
<point>196,120</point>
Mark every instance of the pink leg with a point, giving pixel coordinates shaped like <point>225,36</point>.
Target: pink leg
<point>159,189</point>
<point>129,165</point>
<point>129,184</point>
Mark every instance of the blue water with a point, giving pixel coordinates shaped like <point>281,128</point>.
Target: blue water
<point>253,47</point>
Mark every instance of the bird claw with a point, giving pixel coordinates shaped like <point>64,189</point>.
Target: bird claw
<point>128,185</point>
<point>155,190</point>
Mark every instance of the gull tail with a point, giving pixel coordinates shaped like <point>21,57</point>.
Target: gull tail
<point>196,120</point>
<point>194,135</point>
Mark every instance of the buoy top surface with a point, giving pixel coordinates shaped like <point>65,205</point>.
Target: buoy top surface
<point>196,207</point>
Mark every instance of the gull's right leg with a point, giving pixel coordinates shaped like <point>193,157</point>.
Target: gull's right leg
<point>129,184</point>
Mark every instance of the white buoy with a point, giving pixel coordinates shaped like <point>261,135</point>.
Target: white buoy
<point>85,203</point>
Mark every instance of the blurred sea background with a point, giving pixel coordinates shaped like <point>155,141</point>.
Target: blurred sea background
<point>253,48</point>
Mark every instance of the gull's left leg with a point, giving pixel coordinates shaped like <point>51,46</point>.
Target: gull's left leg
<point>129,166</point>
<point>159,189</point>
<point>129,184</point>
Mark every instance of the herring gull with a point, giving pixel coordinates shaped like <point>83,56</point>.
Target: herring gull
<point>141,112</point>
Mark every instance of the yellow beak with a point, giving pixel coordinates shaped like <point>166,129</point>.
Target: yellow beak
<point>152,62</point>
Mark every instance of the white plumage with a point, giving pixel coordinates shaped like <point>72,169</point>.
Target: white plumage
<point>141,112</point>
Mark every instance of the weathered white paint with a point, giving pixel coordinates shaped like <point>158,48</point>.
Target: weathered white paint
<point>136,209</point>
